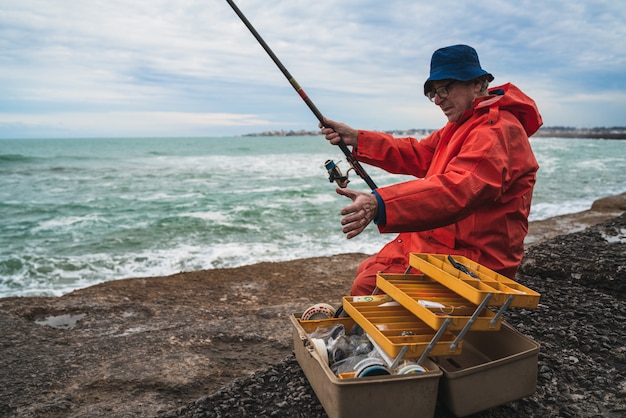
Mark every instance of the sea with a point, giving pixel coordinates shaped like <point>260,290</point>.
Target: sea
<point>77,212</point>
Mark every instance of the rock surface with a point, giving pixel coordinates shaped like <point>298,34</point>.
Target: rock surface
<point>218,342</point>
<point>579,323</point>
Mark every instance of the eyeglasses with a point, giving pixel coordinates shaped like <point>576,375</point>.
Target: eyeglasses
<point>442,91</point>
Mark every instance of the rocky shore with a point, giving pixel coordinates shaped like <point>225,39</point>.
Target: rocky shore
<point>218,342</point>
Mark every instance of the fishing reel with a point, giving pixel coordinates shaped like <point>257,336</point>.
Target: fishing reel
<point>334,174</point>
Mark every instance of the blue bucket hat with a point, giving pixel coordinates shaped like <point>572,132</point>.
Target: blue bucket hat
<point>456,62</point>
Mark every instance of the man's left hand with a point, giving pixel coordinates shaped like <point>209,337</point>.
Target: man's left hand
<point>359,214</point>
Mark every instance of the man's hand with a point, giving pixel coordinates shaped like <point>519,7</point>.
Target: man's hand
<point>336,131</point>
<point>359,214</point>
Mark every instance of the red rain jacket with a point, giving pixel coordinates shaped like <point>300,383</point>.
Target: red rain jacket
<point>476,178</point>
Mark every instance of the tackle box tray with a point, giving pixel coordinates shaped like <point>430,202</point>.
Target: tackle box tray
<point>419,294</point>
<point>504,291</point>
<point>394,328</point>
<point>413,395</point>
<point>493,369</point>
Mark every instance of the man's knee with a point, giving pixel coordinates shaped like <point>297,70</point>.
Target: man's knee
<point>365,282</point>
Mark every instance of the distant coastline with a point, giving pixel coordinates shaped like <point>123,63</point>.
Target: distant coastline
<point>617,132</point>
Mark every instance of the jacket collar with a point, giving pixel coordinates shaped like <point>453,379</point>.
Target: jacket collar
<point>479,103</point>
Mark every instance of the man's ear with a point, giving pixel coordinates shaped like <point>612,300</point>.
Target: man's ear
<point>480,85</point>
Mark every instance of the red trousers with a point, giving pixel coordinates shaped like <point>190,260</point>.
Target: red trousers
<point>365,282</point>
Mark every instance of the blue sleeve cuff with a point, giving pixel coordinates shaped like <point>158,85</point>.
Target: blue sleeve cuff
<point>381,217</point>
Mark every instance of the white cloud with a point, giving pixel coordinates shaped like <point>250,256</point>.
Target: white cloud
<point>360,61</point>
<point>129,123</point>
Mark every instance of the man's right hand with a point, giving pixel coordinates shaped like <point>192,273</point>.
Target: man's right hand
<point>336,131</point>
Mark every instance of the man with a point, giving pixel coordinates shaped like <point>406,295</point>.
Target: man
<point>475,175</point>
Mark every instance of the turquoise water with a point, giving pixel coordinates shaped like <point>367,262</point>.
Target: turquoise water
<point>76,212</point>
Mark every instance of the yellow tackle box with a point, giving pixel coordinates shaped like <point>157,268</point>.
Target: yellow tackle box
<point>447,318</point>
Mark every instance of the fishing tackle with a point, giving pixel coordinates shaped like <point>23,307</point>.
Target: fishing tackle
<point>342,145</point>
<point>461,267</point>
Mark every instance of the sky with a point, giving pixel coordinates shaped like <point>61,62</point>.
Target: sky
<point>122,68</point>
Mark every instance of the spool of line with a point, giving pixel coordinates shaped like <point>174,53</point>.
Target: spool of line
<point>318,311</point>
<point>371,367</point>
<point>412,369</point>
<point>320,349</point>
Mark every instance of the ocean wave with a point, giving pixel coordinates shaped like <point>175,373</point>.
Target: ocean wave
<point>37,275</point>
<point>9,159</point>
<point>76,213</point>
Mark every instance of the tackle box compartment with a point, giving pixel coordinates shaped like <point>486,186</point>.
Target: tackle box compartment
<point>435,304</point>
<point>394,328</point>
<point>413,395</point>
<point>503,290</point>
<point>493,369</point>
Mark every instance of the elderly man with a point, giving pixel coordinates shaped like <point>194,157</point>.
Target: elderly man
<point>475,176</point>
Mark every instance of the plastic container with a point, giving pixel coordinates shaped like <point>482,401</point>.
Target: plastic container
<point>409,395</point>
<point>493,369</point>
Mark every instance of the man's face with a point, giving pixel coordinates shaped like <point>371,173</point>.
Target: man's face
<point>459,99</point>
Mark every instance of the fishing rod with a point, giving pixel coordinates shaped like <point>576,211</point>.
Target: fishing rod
<point>333,170</point>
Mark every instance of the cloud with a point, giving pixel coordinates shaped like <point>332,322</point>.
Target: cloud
<point>121,124</point>
<point>360,61</point>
